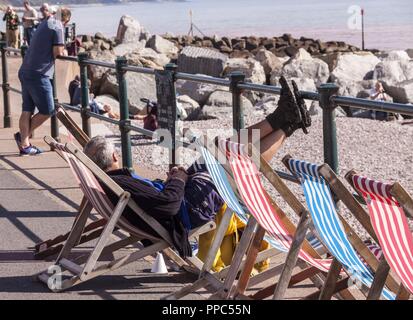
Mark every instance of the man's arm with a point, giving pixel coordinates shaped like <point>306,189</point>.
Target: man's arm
<point>157,203</point>
<point>59,51</point>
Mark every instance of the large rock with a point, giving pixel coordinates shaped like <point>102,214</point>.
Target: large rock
<point>136,59</point>
<point>253,70</point>
<point>219,105</point>
<point>139,86</point>
<point>96,73</point>
<point>304,66</point>
<point>158,58</point>
<point>269,61</point>
<point>395,68</point>
<point>161,45</point>
<point>331,59</point>
<point>190,106</point>
<point>130,31</point>
<point>196,90</point>
<point>124,49</point>
<point>201,60</point>
<point>396,74</point>
<point>410,53</point>
<point>354,67</point>
<point>220,98</point>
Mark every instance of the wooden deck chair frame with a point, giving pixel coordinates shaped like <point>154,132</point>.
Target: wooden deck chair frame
<point>90,269</point>
<point>247,252</point>
<point>384,273</point>
<point>340,192</point>
<point>93,229</point>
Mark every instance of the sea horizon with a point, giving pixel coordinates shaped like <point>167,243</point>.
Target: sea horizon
<point>388,24</point>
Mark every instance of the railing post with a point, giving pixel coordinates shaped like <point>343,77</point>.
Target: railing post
<point>53,119</point>
<point>124,113</point>
<point>5,86</point>
<point>81,57</point>
<point>329,124</point>
<point>237,77</point>
<point>172,68</point>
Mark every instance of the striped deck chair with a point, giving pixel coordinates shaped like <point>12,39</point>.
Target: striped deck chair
<point>330,226</point>
<point>269,216</point>
<point>224,187</point>
<point>86,173</point>
<point>389,207</point>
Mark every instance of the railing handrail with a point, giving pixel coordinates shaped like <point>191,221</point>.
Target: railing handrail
<point>326,95</point>
<point>406,109</point>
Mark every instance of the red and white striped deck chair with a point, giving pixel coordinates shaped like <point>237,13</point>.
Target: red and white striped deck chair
<point>269,216</point>
<point>87,174</point>
<point>389,207</point>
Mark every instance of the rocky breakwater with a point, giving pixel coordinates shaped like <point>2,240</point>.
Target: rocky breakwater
<point>262,60</point>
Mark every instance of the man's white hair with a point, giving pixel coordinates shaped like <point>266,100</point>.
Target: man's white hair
<point>100,151</point>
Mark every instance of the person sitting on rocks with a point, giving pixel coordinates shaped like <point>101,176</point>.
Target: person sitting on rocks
<point>188,198</point>
<point>103,109</point>
<point>149,117</point>
<point>73,86</point>
<point>378,94</point>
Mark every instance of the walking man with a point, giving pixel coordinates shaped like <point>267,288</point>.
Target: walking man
<point>35,76</point>
<point>12,27</point>
<point>29,21</point>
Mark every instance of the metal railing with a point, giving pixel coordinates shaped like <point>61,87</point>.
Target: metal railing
<point>326,96</point>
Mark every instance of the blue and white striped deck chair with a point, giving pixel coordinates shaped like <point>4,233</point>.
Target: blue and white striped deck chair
<point>328,225</point>
<point>219,177</point>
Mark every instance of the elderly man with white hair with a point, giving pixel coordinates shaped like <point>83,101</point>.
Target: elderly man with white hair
<point>188,198</point>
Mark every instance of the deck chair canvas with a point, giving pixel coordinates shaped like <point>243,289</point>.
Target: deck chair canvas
<point>86,173</point>
<point>271,218</point>
<point>349,252</point>
<point>390,207</point>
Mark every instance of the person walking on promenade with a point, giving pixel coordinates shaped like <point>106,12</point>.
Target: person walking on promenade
<point>35,76</point>
<point>45,11</point>
<point>12,27</point>
<point>29,21</point>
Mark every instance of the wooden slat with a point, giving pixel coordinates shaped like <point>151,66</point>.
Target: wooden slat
<point>251,257</point>
<point>403,198</point>
<point>329,286</point>
<point>72,127</point>
<point>217,241</point>
<point>379,280</point>
<point>292,257</point>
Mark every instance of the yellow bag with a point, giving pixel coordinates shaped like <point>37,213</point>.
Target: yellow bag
<point>228,245</point>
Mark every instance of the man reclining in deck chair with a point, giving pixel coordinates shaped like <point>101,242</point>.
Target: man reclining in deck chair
<point>188,198</point>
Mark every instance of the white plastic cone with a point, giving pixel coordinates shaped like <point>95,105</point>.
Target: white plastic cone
<point>159,265</point>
